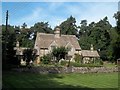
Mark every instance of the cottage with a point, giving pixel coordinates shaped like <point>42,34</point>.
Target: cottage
<point>19,53</point>
<point>89,55</point>
<point>46,42</point>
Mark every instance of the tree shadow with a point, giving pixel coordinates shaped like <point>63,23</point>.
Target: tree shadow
<point>24,80</point>
<point>21,80</point>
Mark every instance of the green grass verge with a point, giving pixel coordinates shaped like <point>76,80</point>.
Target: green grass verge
<point>73,80</point>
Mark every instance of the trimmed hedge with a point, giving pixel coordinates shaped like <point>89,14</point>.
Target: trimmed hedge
<point>64,63</point>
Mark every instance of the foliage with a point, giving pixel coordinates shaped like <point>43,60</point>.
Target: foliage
<point>28,55</point>
<point>98,62</point>
<point>117,17</point>
<point>60,52</point>
<point>42,27</point>
<point>116,45</point>
<point>84,65</point>
<point>46,58</point>
<point>96,34</point>
<point>83,28</point>
<point>76,64</point>
<point>69,27</point>
<point>8,53</point>
<point>24,25</point>
<point>64,63</point>
<point>78,58</point>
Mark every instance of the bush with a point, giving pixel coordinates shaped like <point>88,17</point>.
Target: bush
<point>64,63</point>
<point>101,62</point>
<point>78,58</point>
<point>84,65</point>
<point>75,64</point>
<point>97,62</point>
<point>46,59</point>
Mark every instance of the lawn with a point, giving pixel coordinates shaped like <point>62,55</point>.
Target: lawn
<point>73,80</point>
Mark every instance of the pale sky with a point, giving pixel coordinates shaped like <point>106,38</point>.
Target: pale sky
<point>57,12</point>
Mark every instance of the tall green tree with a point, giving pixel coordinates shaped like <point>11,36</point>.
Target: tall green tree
<point>29,55</point>
<point>69,27</point>
<point>42,27</point>
<point>96,34</point>
<point>83,28</point>
<point>116,46</point>
<point>8,43</point>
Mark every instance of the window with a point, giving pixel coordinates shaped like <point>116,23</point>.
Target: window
<point>52,47</point>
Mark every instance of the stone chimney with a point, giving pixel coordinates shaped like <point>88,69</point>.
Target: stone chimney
<point>17,44</point>
<point>91,47</point>
<point>57,32</point>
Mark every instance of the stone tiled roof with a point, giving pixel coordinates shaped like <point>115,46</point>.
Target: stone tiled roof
<point>44,40</point>
<point>89,53</point>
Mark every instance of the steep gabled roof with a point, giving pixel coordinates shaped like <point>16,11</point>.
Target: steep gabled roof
<point>89,53</point>
<point>44,40</point>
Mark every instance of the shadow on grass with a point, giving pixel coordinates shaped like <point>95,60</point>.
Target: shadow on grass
<point>22,80</point>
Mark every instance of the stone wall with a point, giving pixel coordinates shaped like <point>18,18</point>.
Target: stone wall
<point>68,69</point>
<point>94,69</point>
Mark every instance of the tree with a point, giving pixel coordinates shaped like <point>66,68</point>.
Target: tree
<point>24,37</point>
<point>24,25</point>
<point>60,52</point>
<point>116,46</point>
<point>69,27</point>
<point>8,43</point>
<point>29,55</point>
<point>97,34</point>
<point>42,27</point>
<point>83,28</point>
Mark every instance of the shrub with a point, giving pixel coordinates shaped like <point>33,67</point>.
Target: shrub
<point>46,59</point>
<point>84,65</point>
<point>75,64</point>
<point>60,52</point>
<point>78,58</point>
<point>64,63</point>
<point>101,62</point>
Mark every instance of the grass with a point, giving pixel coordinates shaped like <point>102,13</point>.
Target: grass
<point>109,65</point>
<point>72,80</point>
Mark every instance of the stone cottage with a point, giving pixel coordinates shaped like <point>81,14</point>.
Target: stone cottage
<point>89,55</point>
<point>46,42</point>
<point>19,53</point>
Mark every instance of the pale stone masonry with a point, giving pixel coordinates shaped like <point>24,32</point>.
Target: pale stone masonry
<point>89,55</point>
<point>46,42</point>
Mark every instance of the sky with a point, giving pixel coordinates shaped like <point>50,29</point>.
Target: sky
<point>56,12</point>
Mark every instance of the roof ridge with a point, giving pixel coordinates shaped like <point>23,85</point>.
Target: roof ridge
<point>67,35</point>
<point>45,34</point>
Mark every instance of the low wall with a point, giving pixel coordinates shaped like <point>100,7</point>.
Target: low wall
<point>94,69</point>
<point>68,69</point>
